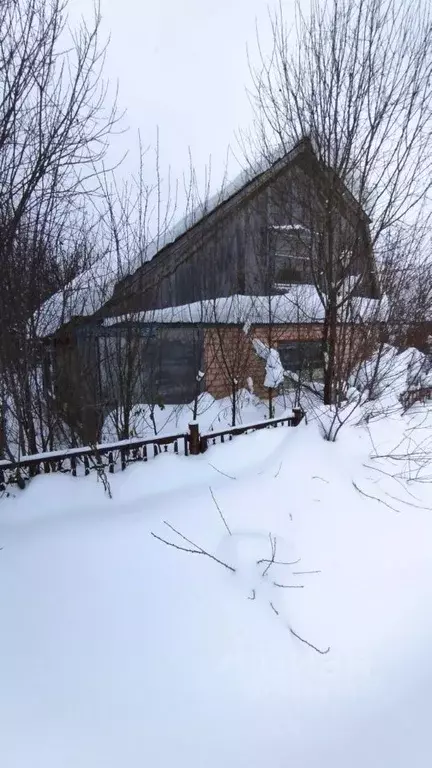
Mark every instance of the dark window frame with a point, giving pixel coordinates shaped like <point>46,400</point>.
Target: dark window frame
<point>290,265</point>
<point>305,358</point>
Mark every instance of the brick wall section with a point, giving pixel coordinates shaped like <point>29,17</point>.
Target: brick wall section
<point>228,353</point>
<point>354,344</point>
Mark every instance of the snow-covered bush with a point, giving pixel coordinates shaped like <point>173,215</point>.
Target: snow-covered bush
<point>274,371</point>
<point>391,373</point>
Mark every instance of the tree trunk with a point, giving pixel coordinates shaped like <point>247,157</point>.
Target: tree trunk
<point>329,352</point>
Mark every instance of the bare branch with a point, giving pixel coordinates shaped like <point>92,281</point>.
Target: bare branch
<point>278,562</point>
<point>306,642</point>
<point>196,549</point>
<point>225,474</point>
<point>273,554</point>
<point>176,546</point>
<point>375,498</point>
<point>220,512</point>
<point>278,471</point>
<point>302,573</point>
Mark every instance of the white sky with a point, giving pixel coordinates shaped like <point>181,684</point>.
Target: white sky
<point>182,66</point>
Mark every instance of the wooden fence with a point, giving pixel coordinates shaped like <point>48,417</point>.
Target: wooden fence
<point>109,456</point>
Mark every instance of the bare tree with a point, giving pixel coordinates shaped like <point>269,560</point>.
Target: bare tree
<point>45,255</point>
<point>355,79</point>
<point>55,122</point>
<point>139,350</point>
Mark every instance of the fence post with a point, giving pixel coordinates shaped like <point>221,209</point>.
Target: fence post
<point>111,463</point>
<point>194,438</point>
<point>298,415</point>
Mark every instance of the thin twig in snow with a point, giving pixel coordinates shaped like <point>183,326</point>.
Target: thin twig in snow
<point>253,595</point>
<point>99,466</point>
<point>371,439</point>
<point>176,546</point>
<point>225,474</point>
<point>197,550</point>
<point>306,642</point>
<point>277,562</point>
<point>317,477</point>
<point>288,586</point>
<point>273,554</point>
<point>274,609</point>
<point>278,472</point>
<point>375,498</point>
<point>408,503</point>
<point>393,477</point>
<point>220,512</point>
<point>302,573</point>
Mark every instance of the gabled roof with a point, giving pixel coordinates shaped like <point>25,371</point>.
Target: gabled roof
<point>98,290</point>
<point>94,288</point>
<point>245,185</point>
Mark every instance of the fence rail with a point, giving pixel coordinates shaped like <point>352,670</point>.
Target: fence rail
<point>208,438</point>
<point>108,456</point>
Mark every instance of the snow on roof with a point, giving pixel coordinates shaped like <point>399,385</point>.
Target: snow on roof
<point>90,290</point>
<point>81,297</point>
<point>299,304</point>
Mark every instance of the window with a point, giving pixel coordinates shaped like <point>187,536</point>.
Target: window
<point>128,361</point>
<point>292,248</point>
<point>303,358</point>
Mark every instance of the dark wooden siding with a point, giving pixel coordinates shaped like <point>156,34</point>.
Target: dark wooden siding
<point>100,368</point>
<point>231,250</point>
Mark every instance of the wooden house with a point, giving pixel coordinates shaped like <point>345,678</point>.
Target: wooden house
<point>257,261</point>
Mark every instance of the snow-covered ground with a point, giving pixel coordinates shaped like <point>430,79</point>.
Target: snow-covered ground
<point>212,415</point>
<point>119,651</point>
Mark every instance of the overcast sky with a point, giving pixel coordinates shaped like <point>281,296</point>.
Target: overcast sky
<point>182,66</point>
